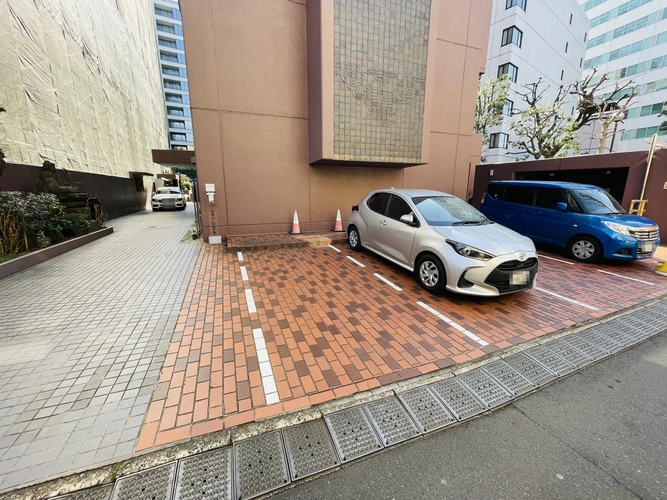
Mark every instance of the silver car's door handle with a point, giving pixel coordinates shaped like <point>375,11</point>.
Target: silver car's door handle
<point>383,222</point>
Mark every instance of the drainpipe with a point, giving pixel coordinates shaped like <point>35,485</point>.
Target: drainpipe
<point>651,151</point>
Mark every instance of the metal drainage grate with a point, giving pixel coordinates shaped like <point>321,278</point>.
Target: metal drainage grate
<point>635,328</point>
<point>309,449</point>
<point>485,388</point>
<point>152,484</point>
<point>102,493</point>
<point>391,421</point>
<point>457,398</point>
<point>426,409</point>
<point>552,361</point>
<point>260,465</point>
<point>511,379</point>
<point>352,434</point>
<point>569,353</point>
<point>616,331</point>
<point>599,338</point>
<point>530,369</point>
<point>587,348</point>
<point>208,475</point>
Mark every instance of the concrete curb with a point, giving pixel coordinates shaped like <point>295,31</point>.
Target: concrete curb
<point>109,472</point>
<point>21,263</point>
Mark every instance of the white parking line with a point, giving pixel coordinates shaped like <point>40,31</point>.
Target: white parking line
<point>453,324</point>
<point>244,273</point>
<point>240,256</point>
<point>356,261</point>
<point>626,277</point>
<point>382,278</point>
<point>557,260</point>
<point>337,250</point>
<point>268,381</point>
<point>252,308</point>
<point>567,299</point>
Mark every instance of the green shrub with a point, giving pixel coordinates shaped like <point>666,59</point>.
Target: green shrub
<point>75,221</point>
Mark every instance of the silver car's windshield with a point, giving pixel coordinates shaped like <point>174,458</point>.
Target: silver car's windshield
<point>448,211</point>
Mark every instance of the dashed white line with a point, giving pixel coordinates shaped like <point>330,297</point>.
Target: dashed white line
<point>453,324</point>
<point>240,256</point>
<point>567,299</point>
<point>627,277</point>
<point>337,250</point>
<point>268,380</point>
<point>250,300</point>
<point>244,273</point>
<point>557,260</point>
<point>356,261</point>
<point>382,278</point>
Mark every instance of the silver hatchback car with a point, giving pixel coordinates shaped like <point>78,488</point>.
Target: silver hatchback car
<point>445,241</point>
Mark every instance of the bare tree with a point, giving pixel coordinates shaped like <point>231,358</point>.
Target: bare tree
<point>607,109</point>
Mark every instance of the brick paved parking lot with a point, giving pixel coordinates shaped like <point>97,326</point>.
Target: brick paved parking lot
<point>267,332</point>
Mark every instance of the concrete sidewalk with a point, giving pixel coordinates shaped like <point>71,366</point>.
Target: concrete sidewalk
<point>82,340</point>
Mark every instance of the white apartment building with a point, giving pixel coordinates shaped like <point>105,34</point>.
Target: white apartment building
<point>628,40</point>
<point>169,34</point>
<point>532,39</point>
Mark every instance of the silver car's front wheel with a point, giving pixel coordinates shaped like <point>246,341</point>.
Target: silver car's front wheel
<point>431,273</point>
<point>353,238</point>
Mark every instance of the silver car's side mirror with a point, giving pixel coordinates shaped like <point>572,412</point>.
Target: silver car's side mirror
<point>408,219</point>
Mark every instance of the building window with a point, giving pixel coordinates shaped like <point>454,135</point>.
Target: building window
<point>164,12</point>
<point>512,35</point>
<point>562,73</point>
<point>173,98</point>
<point>179,147</point>
<point>581,62</point>
<point>178,137</point>
<point>585,36</point>
<point>165,28</point>
<point>176,124</point>
<point>170,71</point>
<point>175,111</point>
<point>498,141</point>
<point>508,107</point>
<point>508,69</point>
<point>169,57</point>
<point>571,17</point>
<point>169,84</point>
<point>519,3</point>
<point>567,45</point>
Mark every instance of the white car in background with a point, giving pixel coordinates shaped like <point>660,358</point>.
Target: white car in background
<point>168,198</point>
<point>445,241</point>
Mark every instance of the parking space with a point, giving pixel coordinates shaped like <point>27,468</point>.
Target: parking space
<point>267,332</point>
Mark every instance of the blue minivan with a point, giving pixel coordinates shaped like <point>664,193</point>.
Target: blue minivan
<point>586,220</point>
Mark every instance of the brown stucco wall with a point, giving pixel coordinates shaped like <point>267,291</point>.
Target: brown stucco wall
<point>635,161</point>
<point>262,114</point>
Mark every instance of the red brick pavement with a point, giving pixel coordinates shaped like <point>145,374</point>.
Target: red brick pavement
<point>333,329</point>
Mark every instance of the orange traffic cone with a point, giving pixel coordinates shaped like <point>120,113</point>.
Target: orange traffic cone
<point>295,225</point>
<point>339,223</point>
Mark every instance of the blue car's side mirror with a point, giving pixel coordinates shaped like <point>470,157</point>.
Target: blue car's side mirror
<point>562,206</point>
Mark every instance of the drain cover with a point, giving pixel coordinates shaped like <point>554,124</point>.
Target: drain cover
<point>635,328</point>
<point>569,353</point>
<point>309,449</point>
<point>457,398</point>
<point>102,493</point>
<point>151,484</point>
<point>616,331</point>
<point>260,465</point>
<point>426,409</point>
<point>552,361</point>
<point>587,348</point>
<point>208,475</point>
<point>391,421</point>
<point>511,379</point>
<point>485,388</point>
<point>599,338</point>
<point>352,434</point>
<point>530,369</point>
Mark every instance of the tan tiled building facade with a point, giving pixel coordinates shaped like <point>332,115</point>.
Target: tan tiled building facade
<point>309,104</point>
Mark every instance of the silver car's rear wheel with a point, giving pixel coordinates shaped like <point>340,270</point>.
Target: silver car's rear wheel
<point>431,273</point>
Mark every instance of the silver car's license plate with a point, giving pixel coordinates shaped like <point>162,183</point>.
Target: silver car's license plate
<point>519,278</point>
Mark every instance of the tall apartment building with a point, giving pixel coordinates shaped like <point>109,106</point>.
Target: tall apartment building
<point>628,40</point>
<point>532,39</point>
<point>169,33</point>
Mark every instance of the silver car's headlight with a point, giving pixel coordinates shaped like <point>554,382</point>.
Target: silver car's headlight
<point>617,228</point>
<point>468,251</point>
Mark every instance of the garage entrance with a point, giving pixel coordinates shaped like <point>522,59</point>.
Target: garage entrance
<point>612,180</point>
